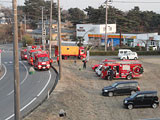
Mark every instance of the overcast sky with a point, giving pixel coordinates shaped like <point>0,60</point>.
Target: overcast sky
<point>65,4</point>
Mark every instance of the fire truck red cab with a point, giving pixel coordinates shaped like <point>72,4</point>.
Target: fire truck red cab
<point>122,70</point>
<point>24,54</point>
<point>42,61</point>
<point>31,53</point>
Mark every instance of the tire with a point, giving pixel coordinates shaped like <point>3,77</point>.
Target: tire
<point>110,94</point>
<point>130,106</point>
<point>135,58</point>
<point>132,92</point>
<point>123,58</point>
<point>154,105</point>
<point>129,77</point>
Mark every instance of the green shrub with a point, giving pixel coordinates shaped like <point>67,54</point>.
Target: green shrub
<point>115,53</point>
<point>27,40</point>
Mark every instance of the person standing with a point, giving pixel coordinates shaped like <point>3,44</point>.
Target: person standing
<point>84,63</point>
<point>58,60</point>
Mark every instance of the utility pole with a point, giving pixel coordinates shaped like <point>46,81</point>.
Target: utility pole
<point>59,39</point>
<point>24,23</point>
<point>50,32</point>
<point>106,37</point>
<point>16,65</point>
<point>43,31</point>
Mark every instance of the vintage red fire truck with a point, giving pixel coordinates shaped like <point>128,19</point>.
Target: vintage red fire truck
<point>30,56</point>
<point>104,61</point>
<point>42,61</point>
<point>24,54</point>
<point>124,69</point>
<point>68,51</point>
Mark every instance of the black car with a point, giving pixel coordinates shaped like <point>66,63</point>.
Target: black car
<point>142,99</point>
<point>121,88</point>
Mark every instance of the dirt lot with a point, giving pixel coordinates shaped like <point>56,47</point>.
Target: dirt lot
<point>79,94</point>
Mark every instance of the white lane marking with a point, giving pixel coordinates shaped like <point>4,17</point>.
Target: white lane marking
<point>23,79</point>
<point>26,73</point>
<point>46,84</point>
<point>5,62</point>
<point>10,62</point>
<point>32,99</point>
<point>5,69</point>
<point>28,104</point>
<point>10,93</point>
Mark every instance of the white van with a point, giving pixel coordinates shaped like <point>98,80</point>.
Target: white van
<point>123,52</point>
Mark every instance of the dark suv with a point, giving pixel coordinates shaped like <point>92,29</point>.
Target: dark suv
<point>141,99</point>
<point>121,88</point>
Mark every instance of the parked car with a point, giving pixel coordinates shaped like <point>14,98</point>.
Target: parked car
<point>121,88</point>
<point>99,70</point>
<point>129,56</point>
<point>123,52</point>
<point>141,99</point>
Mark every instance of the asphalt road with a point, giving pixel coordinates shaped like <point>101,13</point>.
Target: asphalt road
<point>33,88</point>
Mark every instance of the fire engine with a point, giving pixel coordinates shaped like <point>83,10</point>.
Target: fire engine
<point>124,69</point>
<point>24,54</point>
<point>68,51</point>
<point>30,56</point>
<point>42,61</point>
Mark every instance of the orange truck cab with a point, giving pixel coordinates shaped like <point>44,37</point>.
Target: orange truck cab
<point>31,53</point>
<point>122,70</point>
<point>68,51</point>
<point>24,54</point>
<point>42,61</point>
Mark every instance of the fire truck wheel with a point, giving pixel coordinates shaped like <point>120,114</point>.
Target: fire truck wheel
<point>129,77</point>
<point>110,94</point>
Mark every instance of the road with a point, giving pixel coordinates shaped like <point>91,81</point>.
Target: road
<point>33,88</point>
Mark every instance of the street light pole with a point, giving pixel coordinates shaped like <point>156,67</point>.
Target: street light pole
<point>59,39</point>
<point>16,65</point>
<point>106,37</point>
<point>50,32</point>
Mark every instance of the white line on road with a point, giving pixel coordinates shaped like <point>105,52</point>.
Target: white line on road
<point>46,84</point>
<point>5,69</point>
<point>33,98</point>
<point>23,79</point>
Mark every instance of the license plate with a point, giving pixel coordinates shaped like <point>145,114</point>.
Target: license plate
<point>44,67</point>
<point>43,63</point>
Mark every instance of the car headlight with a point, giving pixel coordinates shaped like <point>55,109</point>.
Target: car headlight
<point>125,101</point>
<point>105,90</point>
<point>48,65</point>
<point>39,66</point>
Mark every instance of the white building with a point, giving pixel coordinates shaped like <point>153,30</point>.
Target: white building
<point>83,30</point>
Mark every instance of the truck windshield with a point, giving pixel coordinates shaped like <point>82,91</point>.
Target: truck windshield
<point>43,59</point>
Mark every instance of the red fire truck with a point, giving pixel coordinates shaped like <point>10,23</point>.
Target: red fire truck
<point>68,51</point>
<point>30,56</point>
<point>24,54</point>
<point>125,69</point>
<point>42,61</point>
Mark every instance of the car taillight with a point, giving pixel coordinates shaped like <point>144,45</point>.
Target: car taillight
<point>138,88</point>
